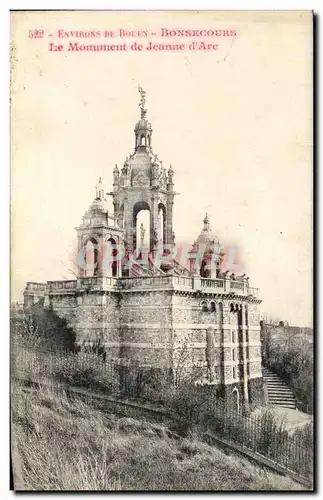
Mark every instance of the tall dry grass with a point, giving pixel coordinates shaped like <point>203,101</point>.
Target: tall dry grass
<point>64,444</point>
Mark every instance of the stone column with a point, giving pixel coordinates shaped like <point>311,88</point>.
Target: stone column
<point>197,282</point>
<point>220,327</point>
<point>119,267</point>
<point>226,339</point>
<point>244,355</point>
<point>100,257</point>
<point>153,224</point>
<point>210,354</point>
<point>226,281</point>
<point>128,223</point>
<point>169,219</point>
<point>80,257</point>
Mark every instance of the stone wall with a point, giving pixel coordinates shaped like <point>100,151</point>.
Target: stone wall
<point>145,327</point>
<point>198,333</point>
<point>65,307</point>
<point>256,391</point>
<point>93,316</point>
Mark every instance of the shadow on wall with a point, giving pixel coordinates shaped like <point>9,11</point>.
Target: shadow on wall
<point>44,324</point>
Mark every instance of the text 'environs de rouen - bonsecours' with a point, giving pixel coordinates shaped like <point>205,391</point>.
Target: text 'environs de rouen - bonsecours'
<point>138,40</point>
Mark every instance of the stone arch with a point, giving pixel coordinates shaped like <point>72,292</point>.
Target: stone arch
<point>111,253</point>
<point>212,306</point>
<point>94,238</point>
<point>204,305</point>
<point>137,208</point>
<point>91,256</point>
<point>233,313</point>
<point>235,398</point>
<point>205,271</point>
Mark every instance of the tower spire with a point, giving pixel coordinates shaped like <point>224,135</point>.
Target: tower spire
<point>143,128</point>
<point>142,103</point>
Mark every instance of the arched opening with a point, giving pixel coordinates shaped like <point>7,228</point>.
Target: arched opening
<point>204,306</point>
<point>162,223</point>
<point>212,306</point>
<point>142,140</point>
<point>111,258</point>
<point>205,270</point>
<point>233,316</point>
<point>91,257</point>
<point>141,225</point>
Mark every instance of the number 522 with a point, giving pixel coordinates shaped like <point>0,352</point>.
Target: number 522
<point>36,34</point>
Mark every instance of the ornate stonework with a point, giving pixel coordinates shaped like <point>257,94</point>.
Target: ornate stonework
<point>157,314</point>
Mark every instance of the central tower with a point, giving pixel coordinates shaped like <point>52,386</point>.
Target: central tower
<point>143,183</point>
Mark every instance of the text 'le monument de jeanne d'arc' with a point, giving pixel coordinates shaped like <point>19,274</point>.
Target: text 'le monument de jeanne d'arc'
<point>151,309</point>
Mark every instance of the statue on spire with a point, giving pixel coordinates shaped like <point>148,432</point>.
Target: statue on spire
<point>206,222</point>
<point>99,191</point>
<point>142,100</point>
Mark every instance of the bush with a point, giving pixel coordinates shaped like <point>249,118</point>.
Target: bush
<point>192,404</point>
<point>295,367</point>
<point>144,382</point>
<point>88,371</point>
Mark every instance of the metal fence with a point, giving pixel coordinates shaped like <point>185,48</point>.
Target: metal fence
<point>113,376</point>
<point>264,435</point>
<point>125,379</point>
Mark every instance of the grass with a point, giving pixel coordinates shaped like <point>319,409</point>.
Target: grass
<point>64,444</point>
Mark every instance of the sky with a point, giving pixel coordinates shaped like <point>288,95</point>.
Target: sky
<point>235,123</point>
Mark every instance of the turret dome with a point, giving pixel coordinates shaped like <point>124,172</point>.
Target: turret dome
<point>98,205</point>
<point>206,237</point>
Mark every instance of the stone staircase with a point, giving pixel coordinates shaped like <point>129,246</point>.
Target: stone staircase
<point>279,393</point>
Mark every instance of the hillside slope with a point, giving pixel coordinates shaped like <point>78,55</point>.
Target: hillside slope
<point>66,445</point>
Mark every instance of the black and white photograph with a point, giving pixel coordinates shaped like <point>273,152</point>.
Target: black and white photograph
<point>161,203</point>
